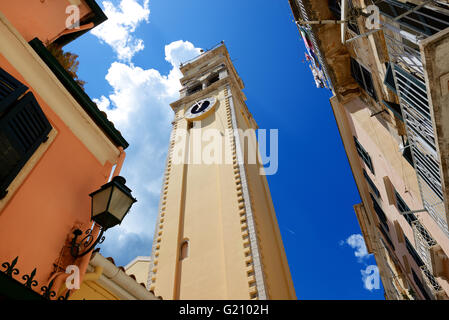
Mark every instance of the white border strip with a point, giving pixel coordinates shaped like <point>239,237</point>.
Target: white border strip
<point>260,284</point>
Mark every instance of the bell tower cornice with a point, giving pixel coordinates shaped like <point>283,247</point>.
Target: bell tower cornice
<point>203,74</point>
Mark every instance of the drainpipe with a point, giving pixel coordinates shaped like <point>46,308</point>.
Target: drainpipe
<point>120,160</point>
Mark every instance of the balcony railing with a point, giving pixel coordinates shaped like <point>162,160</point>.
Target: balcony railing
<point>423,243</point>
<point>431,282</point>
<point>306,17</point>
<point>405,25</point>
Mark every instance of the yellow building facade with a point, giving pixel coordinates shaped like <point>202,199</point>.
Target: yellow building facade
<point>139,267</point>
<point>105,281</point>
<point>216,235</point>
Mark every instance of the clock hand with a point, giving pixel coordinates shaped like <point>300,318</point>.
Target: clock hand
<point>197,103</point>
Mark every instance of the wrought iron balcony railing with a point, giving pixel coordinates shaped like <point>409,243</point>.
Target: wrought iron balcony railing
<point>306,17</point>
<point>423,243</point>
<point>431,282</point>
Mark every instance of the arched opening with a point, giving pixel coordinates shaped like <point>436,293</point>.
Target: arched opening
<point>195,88</point>
<point>213,78</point>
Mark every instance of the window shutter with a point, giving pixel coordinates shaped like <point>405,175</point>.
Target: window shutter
<point>405,260</point>
<point>399,232</point>
<point>22,129</point>
<point>10,90</point>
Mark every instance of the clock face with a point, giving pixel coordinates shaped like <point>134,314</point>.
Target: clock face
<point>200,109</point>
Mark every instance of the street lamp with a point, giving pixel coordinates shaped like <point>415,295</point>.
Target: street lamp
<point>110,204</point>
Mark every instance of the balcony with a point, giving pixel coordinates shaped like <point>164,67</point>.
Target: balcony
<point>423,242</point>
<point>433,285</point>
<point>417,36</point>
<point>433,261</point>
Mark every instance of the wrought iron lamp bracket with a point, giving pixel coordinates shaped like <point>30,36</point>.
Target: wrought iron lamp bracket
<point>79,248</point>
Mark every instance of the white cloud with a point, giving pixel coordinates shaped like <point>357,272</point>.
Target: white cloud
<point>103,103</point>
<point>180,51</point>
<point>122,22</point>
<point>128,244</point>
<point>357,242</point>
<point>139,106</point>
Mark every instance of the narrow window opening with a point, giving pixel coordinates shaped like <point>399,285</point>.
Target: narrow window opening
<point>184,250</point>
<point>364,155</point>
<point>363,77</point>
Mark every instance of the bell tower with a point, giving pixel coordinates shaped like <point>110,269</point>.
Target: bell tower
<point>216,235</point>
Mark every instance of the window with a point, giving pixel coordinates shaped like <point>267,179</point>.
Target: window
<point>380,213</point>
<point>411,250</point>
<point>386,237</point>
<point>400,203</point>
<point>410,217</point>
<point>403,207</point>
<point>395,108</point>
<point>363,78</point>
<point>420,285</point>
<point>23,127</point>
<point>364,155</point>
<point>407,153</point>
<point>371,183</point>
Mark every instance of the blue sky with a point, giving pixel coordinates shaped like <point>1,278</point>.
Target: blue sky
<point>130,66</point>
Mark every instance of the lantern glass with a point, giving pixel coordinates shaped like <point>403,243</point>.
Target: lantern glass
<point>111,203</point>
<point>100,201</point>
<point>120,203</point>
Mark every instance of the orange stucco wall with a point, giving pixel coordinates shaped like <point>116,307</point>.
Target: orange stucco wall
<point>37,220</point>
<point>42,19</point>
